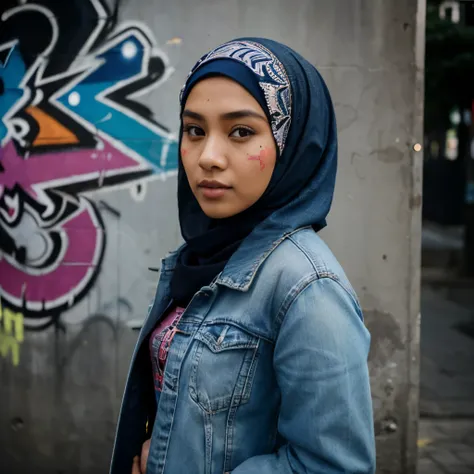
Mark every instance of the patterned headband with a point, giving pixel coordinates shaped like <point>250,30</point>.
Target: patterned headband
<point>272,78</point>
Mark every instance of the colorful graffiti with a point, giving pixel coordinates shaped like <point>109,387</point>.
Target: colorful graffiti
<point>69,123</point>
<point>11,334</point>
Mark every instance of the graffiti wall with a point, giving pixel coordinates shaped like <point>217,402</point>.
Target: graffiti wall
<point>71,122</point>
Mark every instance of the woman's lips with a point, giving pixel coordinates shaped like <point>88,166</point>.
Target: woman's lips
<point>213,189</point>
<point>213,193</point>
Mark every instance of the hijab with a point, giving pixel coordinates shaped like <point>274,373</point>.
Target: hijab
<point>298,106</point>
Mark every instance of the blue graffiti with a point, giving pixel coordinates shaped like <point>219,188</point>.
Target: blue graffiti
<point>124,62</point>
<point>12,72</point>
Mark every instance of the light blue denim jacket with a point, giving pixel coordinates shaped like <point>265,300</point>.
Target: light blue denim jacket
<point>267,374</point>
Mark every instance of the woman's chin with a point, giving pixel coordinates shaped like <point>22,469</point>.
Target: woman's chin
<point>215,210</point>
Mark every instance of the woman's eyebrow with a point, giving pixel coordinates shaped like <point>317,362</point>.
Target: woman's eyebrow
<point>194,115</point>
<point>242,114</point>
<point>236,114</point>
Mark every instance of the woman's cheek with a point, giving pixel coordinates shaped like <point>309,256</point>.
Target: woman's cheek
<point>261,157</point>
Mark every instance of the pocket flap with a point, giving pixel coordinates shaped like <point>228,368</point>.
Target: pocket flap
<point>221,337</point>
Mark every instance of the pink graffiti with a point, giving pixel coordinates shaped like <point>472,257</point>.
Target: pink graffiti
<point>69,277</point>
<point>60,283</point>
<point>64,168</point>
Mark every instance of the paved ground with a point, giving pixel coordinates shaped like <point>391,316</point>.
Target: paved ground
<point>447,353</point>
<point>446,447</point>
<point>446,436</point>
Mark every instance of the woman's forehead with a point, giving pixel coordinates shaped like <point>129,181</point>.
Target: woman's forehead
<point>219,89</point>
<point>224,97</point>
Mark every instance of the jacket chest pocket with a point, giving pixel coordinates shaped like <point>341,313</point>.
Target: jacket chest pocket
<point>223,365</point>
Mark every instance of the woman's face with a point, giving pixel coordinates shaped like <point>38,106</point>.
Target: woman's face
<point>227,149</point>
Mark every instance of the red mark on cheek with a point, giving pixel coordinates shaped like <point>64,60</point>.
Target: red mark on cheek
<point>184,152</point>
<point>260,157</point>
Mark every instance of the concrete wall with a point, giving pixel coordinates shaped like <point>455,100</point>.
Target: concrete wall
<point>87,198</point>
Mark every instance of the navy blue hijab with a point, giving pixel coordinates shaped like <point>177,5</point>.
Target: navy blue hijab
<point>299,109</point>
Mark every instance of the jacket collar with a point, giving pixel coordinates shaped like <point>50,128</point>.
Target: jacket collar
<point>242,267</point>
<point>240,270</point>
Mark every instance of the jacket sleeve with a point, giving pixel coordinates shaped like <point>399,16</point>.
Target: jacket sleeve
<point>320,362</point>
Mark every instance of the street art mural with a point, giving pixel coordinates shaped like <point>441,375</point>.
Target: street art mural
<point>69,123</point>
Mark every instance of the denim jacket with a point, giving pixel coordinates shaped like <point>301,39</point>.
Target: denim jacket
<point>267,373</point>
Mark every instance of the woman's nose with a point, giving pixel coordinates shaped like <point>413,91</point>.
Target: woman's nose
<point>213,155</point>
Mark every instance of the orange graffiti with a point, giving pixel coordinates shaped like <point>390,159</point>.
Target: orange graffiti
<point>51,132</point>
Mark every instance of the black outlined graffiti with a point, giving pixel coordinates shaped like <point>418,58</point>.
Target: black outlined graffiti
<point>69,123</point>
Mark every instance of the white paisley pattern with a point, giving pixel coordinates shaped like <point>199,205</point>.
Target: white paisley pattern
<point>272,78</point>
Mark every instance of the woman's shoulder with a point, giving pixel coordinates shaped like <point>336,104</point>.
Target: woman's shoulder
<point>300,261</point>
<point>304,252</point>
<point>302,257</point>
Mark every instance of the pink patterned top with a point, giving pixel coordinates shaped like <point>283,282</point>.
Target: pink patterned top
<point>160,343</point>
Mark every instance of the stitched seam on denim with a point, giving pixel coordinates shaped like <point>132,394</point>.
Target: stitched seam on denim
<point>352,295</point>
<point>231,322</point>
<point>210,342</point>
<point>163,460</point>
<point>253,270</point>
<point>208,441</point>
<point>229,437</point>
<point>251,374</point>
<point>317,268</point>
<point>230,401</point>
<point>299,287</point>
<point>241,398</point>
<point>195,357</point>
<point>237,399</point>
<point>195,398</point>
<point>252,339</point>
<point>224,403</point>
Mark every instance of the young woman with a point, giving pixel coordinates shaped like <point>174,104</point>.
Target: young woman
<point>253,357</point>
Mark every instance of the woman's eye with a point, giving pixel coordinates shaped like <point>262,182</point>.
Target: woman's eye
<point>194,131</point>
<point>242,132</point>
